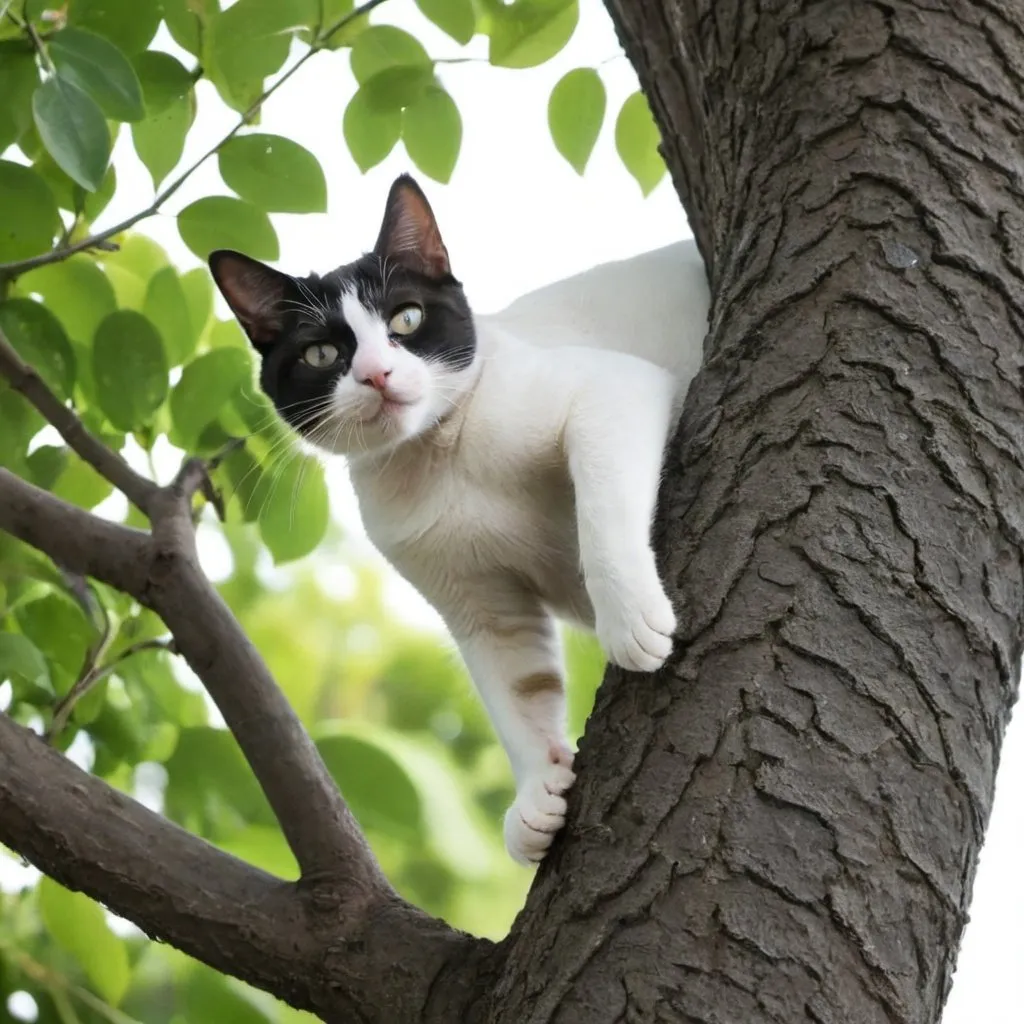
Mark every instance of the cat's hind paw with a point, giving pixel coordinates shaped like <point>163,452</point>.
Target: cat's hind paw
<point>636,633</point>
<point>538,813</point>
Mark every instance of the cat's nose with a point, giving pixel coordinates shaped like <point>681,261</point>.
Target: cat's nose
<point>377,381</point>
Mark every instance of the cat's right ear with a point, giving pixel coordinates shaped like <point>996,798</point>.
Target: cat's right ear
<point>255,292</point>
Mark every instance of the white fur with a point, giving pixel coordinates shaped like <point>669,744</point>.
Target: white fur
<point>524,487</point>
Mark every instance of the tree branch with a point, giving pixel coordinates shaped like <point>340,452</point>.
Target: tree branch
<point>75,539</point>
<point>327,943</point>
<point>16,267</point>
<point>93,838</point>
<point>162,572</point>
<point>109,464</point>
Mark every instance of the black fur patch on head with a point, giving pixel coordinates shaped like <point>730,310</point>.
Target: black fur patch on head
<point>285,317</point>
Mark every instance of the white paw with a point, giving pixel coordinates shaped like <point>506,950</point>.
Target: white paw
<point>635,626</point>
<point>539,810</point>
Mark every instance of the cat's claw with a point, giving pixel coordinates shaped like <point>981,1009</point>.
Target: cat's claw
<point>538,813</point>
<point>636,632</point>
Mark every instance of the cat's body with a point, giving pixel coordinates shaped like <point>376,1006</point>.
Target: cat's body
<point>519,484</point>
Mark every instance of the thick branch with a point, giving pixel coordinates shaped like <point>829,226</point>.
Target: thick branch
<point>161,571</point>
<point>75,539</point>
<point>174,886</point>
<point>137,489</point>
<point>328,943</point>
<point>784,825</point>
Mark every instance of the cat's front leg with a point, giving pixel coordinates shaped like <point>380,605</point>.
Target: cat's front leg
<point>615,439</point>
<point>515,662</point>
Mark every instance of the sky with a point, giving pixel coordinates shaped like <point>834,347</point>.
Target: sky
<point>515,216</point>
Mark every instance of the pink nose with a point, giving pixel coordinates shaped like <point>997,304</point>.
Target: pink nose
<point>378,381</point>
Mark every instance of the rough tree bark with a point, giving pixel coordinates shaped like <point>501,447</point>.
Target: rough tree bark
<point>782,826</point>
<point>785,827</point>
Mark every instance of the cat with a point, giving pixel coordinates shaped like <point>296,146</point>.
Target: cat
<point>507,466</point>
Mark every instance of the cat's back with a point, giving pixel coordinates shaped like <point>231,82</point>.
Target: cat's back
<point>654,306</point>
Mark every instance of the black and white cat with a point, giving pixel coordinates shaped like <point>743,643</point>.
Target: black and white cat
<point>507,466</point>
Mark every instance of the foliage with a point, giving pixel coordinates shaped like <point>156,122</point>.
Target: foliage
<point>136,347</point>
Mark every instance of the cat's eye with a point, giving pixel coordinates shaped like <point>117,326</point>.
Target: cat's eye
<point>406,320</point>
<point>320,356</point>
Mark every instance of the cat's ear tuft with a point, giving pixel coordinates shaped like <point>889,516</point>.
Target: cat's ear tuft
<point>255,292</point>
<point>409,234</point>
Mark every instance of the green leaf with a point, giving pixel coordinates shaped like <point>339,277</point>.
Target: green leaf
<point>30,217</point>
<point>198,291</point>
<point>529,32</point>
<point>221,222</point>
<point>19,423</point>
<point>96,202</point>
<point>19,77</point>
<point>100,69</point>
<point>128,24</point>
<point>46,464</point>
<point>76,291</point>
<point>209,996</point>
<point>636,139</point>
<point>375,784</point>
<point>333,11</point>
<point>295,510</point>
<point>249,41</point>
<point>82,485</point>
<point>370,133</point>
<point>39,339</point>
<point>456,17</point>
<point>78,925</point>
<point>384,46</point>
<point>167,307</point>
<point>163,80</point>
<point>432,133</point>
<point>395,88</point>
<point>575,113</point>
<point>274,173</point>
<point>22,662</point>
<point>187,21</point>
<point>210,787</point>
<point>160,139</point>
<point>224,333</point>
<point>73,130</point>
<point>265,848</point>
<point>206,385</point>
<point>129,367</point>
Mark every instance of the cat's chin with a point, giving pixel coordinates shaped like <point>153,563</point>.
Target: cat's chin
<point>367,431</point>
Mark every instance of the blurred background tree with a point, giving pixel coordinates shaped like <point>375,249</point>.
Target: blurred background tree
<point>136,345</point>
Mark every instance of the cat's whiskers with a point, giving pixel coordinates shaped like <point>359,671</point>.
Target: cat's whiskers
<point>315,301</point>
<point>307,313</point>
<point>273,457</point>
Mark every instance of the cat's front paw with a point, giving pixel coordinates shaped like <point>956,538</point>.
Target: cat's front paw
<point>539,810</point>
<point>635,628</point>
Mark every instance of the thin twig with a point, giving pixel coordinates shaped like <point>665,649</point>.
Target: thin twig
<point>25,24</point>
<point>109,464</point>
<point>195,476</point>
<point>57,255</point>
<point>93,673</point>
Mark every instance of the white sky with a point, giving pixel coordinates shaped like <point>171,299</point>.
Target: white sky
<point>516,216</point>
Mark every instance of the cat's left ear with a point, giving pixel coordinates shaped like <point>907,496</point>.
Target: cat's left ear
<point>409,234</point>
<point>255,292</point>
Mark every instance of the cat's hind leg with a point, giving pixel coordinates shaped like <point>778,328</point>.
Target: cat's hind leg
<point>515,661</point>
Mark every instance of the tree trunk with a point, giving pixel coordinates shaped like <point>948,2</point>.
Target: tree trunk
<point>784,825</point>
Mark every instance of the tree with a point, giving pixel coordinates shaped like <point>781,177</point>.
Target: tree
<point>784,825</point>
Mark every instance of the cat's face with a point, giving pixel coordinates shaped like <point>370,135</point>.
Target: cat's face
<point>370,355</point>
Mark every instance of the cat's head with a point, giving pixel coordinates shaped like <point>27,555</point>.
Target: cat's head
<point>371,354</point>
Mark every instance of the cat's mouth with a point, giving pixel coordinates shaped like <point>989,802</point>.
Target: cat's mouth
<point>388,407</point>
